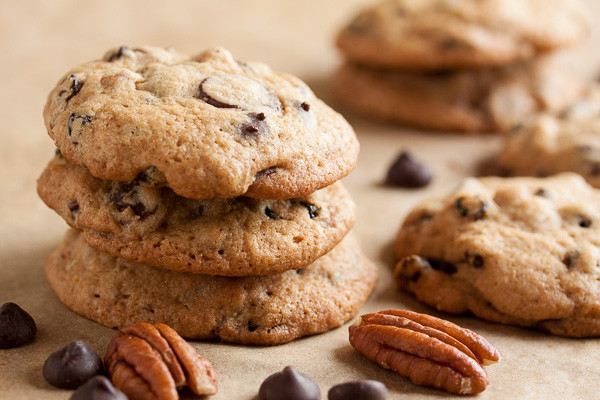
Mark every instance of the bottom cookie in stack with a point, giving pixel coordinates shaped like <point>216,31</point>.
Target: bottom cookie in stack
<point>264,310</point>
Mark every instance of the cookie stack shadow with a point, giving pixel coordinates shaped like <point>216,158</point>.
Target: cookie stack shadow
<point>474,66</point>
<point>202,193</point>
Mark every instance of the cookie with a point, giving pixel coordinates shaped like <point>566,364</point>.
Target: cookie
<point>268,309</point>
<point>232,237</point>
<point>442,34</point>
<point>206,126</point>
<point>549,145</point>
<point>522,251</point>
<point>466,100</point>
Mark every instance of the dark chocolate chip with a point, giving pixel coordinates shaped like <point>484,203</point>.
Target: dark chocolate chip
<point>123,196</point>
<point>58,153</point>
<point>358,390</point>
<point>252,326</point>
<point>300,271</point>
<point>256,126</point>
<point>75,88</point>
<point>471,207</point>
<point>73,206</point>
<point>151,177</point>
<point>117,54</point>
<point>72,365</point>
<point>406,172</point>
<point>570,259</point>
<point>442,266</point>
<point>541,192</point>
<point>289,385</point>
<point>305,106</point>
<point>272,214</point>
<point>313,211</point>
<point>583,221</point>
<point>209,100</point>
<point>98,388</point>
<point>73,119</point>
<point>17,327</point>
<point>476,260</point>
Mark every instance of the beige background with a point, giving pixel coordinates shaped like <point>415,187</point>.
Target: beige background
<point>40,41</point>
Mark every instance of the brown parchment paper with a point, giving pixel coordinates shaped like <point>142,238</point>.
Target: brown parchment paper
<point>41,40</point>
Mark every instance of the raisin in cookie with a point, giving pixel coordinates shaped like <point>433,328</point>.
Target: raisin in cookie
<point>549,145</point>
<point>467,100</point>
<point>206,126</point>
<point>233,237</point>
<point>268,309</point>
<point>522,251</point>
<point>442,34</point>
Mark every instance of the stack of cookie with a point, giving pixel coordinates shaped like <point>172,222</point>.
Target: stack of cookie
<point>203,194</point>
<point>470,65</point>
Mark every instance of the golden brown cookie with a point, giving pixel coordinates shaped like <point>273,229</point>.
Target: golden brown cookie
<point>443,34</point>
<point>493,99</point>
<point>206,126</point>
<point>268,309</point>
<point>231,237</point>
<point>522,251</point>
<point>549,144</point>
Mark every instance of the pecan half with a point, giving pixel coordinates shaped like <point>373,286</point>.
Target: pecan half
<point>152,361</point>
<point>428,350</point>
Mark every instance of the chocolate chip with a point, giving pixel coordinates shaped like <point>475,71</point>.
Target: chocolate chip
<point>476,260</point>
<point>313,211</point>
<point>570,259</point>
<point>75,120</point>
<point>408,173</point>
<point>583,221</point>
<point>453,44</point>
<point>289,385</point>
<point>72,365</point>
<point>542,192</point>
<point>252,326</point>
<point>272,214</point>
<point>300,271</point>
<point>256,126</point>
<point>305,106</point>
<point>73,206</point>
<point>117,54</point>
<point>98,388</point>
<point>75,88</point>
<point>442,266</point>
<point>151,177</point>
<point>471,207</point>
<point>209,100</point>
<point>358,390</point>
<point>595,169</point>
<point>124,196</point>
<point>17,327</point>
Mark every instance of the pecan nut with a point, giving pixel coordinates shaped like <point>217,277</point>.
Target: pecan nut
<point>428,350</point>
<point>152,361</point>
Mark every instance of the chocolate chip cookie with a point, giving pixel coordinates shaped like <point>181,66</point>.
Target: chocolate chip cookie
<point>442,34</point>
<point>206,126</point>
<point>491,99</point>
<point>549,145</point>
<point>144,223</point>
<point>522,251</point>
<point>268,309</point>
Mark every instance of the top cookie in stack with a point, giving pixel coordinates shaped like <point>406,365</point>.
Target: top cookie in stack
<point>467,65</point>
<point>202,172</point>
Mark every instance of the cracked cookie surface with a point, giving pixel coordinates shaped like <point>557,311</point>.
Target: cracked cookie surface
<point>522,251</point>
<point>238,236</point>
<point>442,34</point>
<point>268,309</point>
<point>206,126</point>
